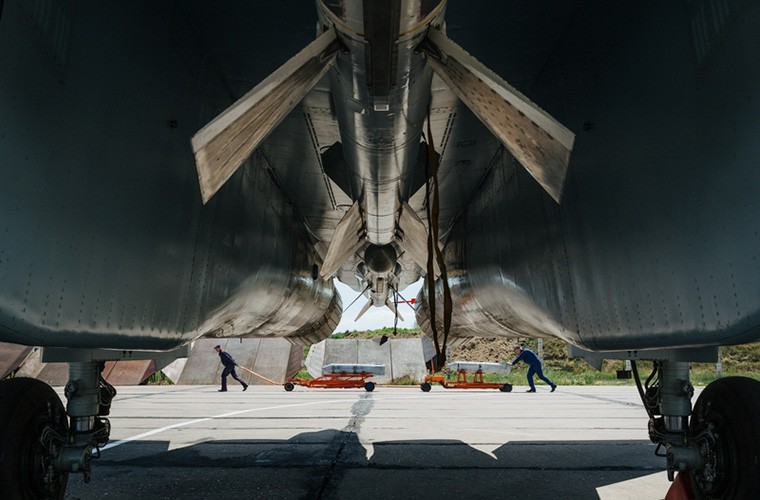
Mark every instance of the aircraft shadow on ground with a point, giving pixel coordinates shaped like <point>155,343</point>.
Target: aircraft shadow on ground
<point>335,464</point>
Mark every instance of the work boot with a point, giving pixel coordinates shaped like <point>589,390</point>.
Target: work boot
<point>245,386</point>
<point>554,386</point>
<point>531,390</point>
<point>222,390</point>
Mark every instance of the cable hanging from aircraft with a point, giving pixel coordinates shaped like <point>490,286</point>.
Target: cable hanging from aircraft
<point>434,251</point>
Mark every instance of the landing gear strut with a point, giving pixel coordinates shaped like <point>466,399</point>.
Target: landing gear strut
<point>39,446</point>
<point>89,397</point>
<point>719,448</point>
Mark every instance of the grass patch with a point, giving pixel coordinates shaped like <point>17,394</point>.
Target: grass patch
<point>303,374</point>
<point>158,378</point>
<point>405,333</point>
<point>405,380</point>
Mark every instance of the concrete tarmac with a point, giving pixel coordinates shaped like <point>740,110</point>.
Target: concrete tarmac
<point>180,442</point>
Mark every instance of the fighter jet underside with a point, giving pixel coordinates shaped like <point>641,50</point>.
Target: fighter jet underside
<point>580,170</point>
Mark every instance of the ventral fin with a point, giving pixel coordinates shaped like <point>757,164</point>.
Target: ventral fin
<point>539,142</point>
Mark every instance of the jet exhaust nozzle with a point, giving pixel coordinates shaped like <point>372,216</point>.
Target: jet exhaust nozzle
<point>380,259</point>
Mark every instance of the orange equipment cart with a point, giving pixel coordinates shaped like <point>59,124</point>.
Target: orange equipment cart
<point>463,368</point>
<point>341,376</point>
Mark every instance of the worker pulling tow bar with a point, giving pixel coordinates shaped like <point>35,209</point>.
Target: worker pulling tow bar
<point>341,376</point>
<point>477,369</point>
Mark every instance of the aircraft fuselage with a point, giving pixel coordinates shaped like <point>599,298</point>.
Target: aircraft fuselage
<point>381,94</point>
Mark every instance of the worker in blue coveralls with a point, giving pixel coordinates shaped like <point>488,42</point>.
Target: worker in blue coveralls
<point>530,358</point>
<point>229,368</point>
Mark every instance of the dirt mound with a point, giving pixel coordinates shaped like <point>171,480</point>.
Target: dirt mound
<point>487,350</point>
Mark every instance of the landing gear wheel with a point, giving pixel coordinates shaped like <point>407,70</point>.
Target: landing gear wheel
<point>506,388</point>
<point>27,407</point>
<point>425,387</point>
<point>369,386</point>
<point>730,408</point>
<point>289,386</point>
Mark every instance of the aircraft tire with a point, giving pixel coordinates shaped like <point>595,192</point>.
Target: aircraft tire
<point>506,388</point>
<point>369,386</point>
<point>732,406</point>
<point>23,459</point>
<point>425,387</point>
<point>289,386</point>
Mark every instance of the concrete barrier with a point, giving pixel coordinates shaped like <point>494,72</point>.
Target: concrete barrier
<point>32,366</point>
<point>401,357</point>
<point>11,357</point>
<point>315,359</point>
<point>407,359</point>
<point>132,372</point>
<point>55,374</point>
<point>369,351</point>
<point>174,369</point>
<point>274,358</point>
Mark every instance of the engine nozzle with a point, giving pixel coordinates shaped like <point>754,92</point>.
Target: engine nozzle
<point>380,259</point>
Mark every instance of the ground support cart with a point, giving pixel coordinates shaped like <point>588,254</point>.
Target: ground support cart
<point>341,376</point>
<point>463,368</point>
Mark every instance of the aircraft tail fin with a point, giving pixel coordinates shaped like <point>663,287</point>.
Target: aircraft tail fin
<point>227,141</point>
<point>539,142</point>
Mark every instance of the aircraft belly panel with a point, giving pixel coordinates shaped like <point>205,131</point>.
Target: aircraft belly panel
<point>105,242</point>
<point>655,243</point>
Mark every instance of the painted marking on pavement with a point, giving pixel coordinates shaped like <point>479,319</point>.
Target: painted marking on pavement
<point>206,419</point>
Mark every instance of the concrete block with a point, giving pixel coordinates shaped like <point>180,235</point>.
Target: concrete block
<point>274,358</point>
<point>116,372</point>
<point>132,372</point>
<point>315,360</point>
<point>341,351</point>
<point>296,361</point>
<point>407,359</point>
<point>11,357</point>
<point>401,357</point>
<point>369,351</point>
<point>245,352</point>
<point>174,369</point>
<point>55,374</point>
<point>203,366</point>
<point>32,365</point>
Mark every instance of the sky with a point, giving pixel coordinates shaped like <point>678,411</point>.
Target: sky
<point>375,317</point>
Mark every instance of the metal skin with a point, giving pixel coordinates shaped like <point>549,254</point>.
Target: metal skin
<point>381,128</point>
<point>104,241</point>
<point>655,242</point>
<point>380,133</point>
